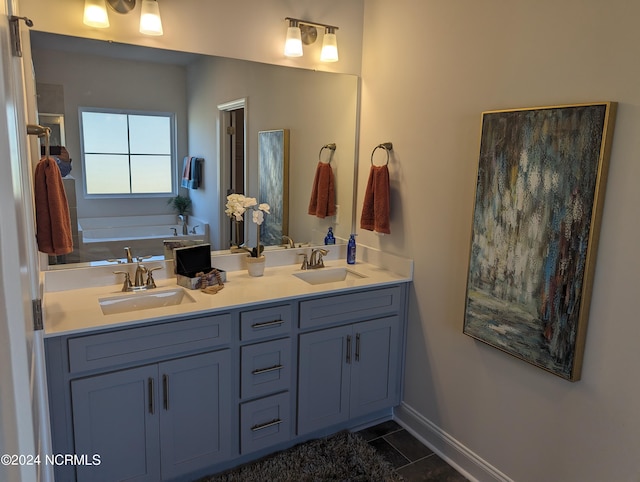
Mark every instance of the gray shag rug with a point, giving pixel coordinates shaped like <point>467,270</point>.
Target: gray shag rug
<point>342,457</point>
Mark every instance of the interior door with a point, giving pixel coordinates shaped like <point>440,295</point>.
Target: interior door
<point>233,120</point>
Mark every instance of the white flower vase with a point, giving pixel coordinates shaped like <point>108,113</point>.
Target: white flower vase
<point>255,266</point>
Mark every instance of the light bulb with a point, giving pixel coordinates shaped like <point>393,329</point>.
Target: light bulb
<point>95,14</point>
<point>150,21</point>
<point>293,44</point>
<point>329,46</point>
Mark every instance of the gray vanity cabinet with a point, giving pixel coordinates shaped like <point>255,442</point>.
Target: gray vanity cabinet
<point>121,415</point>
<point>350,370</point>
<point>154,403</point>
<point>176,399</point>
<point>106,407</point>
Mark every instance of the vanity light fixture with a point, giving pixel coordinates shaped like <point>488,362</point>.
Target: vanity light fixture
<point>304,32</point>
<point>95,14</point>
<point>150,21</point>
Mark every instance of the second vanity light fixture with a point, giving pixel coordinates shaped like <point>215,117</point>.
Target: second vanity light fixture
<point>95,14</point>
<point>305,32</point>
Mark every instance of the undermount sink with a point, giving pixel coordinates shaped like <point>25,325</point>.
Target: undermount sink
<point>144,300</point>
<point>327,275</point>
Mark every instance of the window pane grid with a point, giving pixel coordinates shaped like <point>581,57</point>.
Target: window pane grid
<point>127,153</point>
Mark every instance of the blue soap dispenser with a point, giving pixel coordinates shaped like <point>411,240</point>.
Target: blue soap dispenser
<point>351,249</point>
<point>329,238</point>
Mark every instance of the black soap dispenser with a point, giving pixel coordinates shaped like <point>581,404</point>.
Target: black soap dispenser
<point>329,238</point>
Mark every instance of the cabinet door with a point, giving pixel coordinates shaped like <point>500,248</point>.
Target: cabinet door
<point>195,407</point>
<point>374,371</point>
<point>115,416</point>
<point>323,378</point>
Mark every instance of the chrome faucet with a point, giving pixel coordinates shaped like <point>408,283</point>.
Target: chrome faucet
<point>315,261</point>
<point>183,220</point>
<point>305,261</point>
<point>139,278</point>
<point>289,241</point>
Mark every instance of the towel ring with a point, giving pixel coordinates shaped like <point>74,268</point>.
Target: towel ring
<point>387,146</point>
<point>332,147</point>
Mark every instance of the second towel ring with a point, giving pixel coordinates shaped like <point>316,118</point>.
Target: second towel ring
<point>331,146</point>
<point>387,146</point>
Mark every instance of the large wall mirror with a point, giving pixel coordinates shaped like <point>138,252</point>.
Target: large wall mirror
<point>317,108</point>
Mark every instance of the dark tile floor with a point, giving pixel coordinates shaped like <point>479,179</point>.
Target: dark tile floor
<point>409,457</point>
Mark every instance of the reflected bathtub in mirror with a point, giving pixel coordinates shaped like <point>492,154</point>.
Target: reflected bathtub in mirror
<point>105,238</point>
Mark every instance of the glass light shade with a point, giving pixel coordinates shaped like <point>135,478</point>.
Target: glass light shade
<point>329,48</point>
<point>293,44</point>
<point>150,21</point>
<point>95,14</point>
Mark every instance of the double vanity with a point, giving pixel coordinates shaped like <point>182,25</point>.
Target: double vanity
<point>174,384</point>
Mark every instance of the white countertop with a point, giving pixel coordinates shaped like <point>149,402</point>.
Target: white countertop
<point>69,309</point>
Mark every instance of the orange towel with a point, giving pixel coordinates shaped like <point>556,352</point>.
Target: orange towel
<point>376,207</point>
<point>323,194</point>
<point>53,224</point>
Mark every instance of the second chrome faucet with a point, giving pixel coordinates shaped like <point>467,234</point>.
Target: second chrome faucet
<point>315,261</point>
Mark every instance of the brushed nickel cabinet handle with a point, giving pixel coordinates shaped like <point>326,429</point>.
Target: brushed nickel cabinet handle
<point>265,324</point>
<point>348,348</point>
<point>262,426</point>
<point>260,371</point>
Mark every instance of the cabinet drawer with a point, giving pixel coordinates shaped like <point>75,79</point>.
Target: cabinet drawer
<point>265,368</point>
<point>265,322</point>
<point>107,350</point>
<point>350,307</point>
<point>265,422</point>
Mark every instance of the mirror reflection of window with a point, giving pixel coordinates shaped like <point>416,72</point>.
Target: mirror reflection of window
<point>127,153</point>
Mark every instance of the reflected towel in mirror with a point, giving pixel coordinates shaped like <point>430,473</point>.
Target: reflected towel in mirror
<point>323,194</point>
<point>53,223</point>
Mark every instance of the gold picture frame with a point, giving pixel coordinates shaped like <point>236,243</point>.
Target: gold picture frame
<point>538,204</point>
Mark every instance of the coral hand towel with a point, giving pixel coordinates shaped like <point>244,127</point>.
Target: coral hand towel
<point>376,207</point>
<point>53,224</point>
<point>323,194</point>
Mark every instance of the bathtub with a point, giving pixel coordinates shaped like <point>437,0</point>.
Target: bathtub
<point>106,238</point>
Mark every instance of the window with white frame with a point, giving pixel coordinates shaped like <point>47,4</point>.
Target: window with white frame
<point>127,153</point>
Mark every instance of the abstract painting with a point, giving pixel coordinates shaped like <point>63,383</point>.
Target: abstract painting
<point>273,161</point>
<point>538,203</point>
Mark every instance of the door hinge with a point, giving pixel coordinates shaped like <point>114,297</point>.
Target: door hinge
<point>38,323</point>
<point>14,27</point>
<point>231,130</point>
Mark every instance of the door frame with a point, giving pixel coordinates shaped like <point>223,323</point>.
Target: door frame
<point>225,150</point>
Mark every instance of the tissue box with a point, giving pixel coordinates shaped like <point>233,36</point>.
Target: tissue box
<point>192,260</point>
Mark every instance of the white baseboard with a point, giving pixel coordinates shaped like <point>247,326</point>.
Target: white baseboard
<point>448,448</point>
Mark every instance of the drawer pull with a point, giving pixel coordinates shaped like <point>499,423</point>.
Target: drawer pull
<point>151,395</point>
<point>265,324</point>
<point>261,426</point>
<point>260,371</point>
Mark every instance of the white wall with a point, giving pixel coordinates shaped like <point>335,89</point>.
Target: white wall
<point>429,69</point>
<point>317,108</point>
